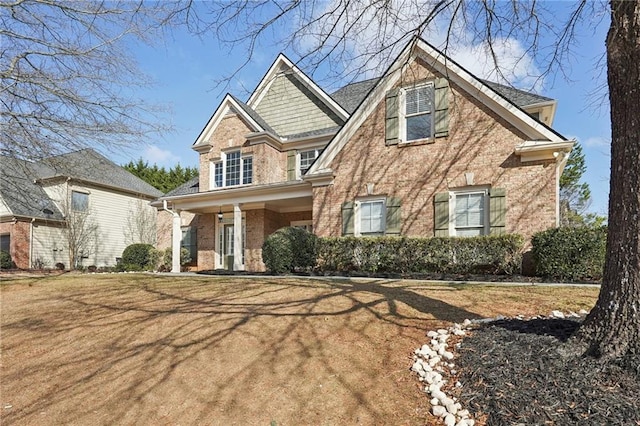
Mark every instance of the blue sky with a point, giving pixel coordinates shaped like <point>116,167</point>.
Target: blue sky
<point>185,68</point>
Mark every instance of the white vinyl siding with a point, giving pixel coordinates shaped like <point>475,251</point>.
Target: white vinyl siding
<point>49,246</point>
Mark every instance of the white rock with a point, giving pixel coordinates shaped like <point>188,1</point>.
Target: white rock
<point>450,420</point>
<point>434,387</point>
<point>582,312</point>
<point>435,401</point>
<point>573,314</point>
<point>439,411</point>
<point>443,331</point>
<point>447,355</point>
<point>557,314</point>
<point>440,395</point>
<point>453,372</point>
<point>452,408</point>
<point>441,350</point>
<point>459,332</point>
<point>417,366</point>
<point>462,422</point>
<point>433,361</point>
<point>434,342</point>
<point>458,384</point>
<point>466,322</point>
<point>432,334</point>
<point>463,413</point>
<point>471,422</point>
<point>457,326</point>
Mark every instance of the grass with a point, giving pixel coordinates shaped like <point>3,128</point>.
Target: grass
<point>144,349</point>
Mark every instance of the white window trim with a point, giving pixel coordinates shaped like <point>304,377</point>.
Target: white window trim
<point>83,192</point>
<point>223,160</point>
<point>465,191</point>
<point>402,122</point>
<point>299,159</point>
<point>357,214</point>
<point>306,224</point>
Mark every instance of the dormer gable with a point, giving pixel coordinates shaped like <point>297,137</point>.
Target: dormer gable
<point>291,103</point>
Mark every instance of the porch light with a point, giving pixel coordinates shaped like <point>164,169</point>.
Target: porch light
<point>220,215</point>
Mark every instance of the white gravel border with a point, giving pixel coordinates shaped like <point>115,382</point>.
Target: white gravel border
<point>433,361</point>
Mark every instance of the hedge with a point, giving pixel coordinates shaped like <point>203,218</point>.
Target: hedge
<point>289,249</point>
<point>486,254</point>
<point>570,253</point>
<point>5,260</point>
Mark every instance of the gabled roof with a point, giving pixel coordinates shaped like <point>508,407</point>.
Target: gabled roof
<point>231,104</point>
<point>25,197</point>
<point>89,166</point>
<point>22,196</point>
<point>191,186</point>
<point>469,83</point>
<point>517,96</point>
<point>351,95</point>
<point>281,64</point>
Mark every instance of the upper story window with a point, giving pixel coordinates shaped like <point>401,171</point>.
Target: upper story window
<point>470,217</point>
<point>79,201</point>
<point>307,158</point>
<point>234,169</point>
<point>417,113</point>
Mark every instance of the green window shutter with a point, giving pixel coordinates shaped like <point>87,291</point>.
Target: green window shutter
<point>291,165</point>
<point>441,118</point>
<point>392,110</point>
<point>393,217</point>
<point>441,214</point>
<point>347,218</point>
<point>497,211</point>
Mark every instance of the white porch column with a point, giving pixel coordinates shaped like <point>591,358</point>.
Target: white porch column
<point>237,238</point>
<point>176,238</point>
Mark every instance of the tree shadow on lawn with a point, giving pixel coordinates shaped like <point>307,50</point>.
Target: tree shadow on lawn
<point>165,350</point>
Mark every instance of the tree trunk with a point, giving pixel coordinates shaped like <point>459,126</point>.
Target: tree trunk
<point>612,328</point>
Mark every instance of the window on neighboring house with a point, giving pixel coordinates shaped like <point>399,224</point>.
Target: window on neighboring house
<point>232,170</point>
<point>190,242</point>
<point>470,217</point>
<point>418,113</point>
<point>79,201</point>
<point>306,159</point>
<point>5,242</point>
<point>369,215</point>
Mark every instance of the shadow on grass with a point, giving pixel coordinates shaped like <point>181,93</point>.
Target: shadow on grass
<point>111,350</point>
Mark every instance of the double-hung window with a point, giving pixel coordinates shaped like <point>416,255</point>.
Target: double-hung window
<point>79,201</point>
<point>417,113</point>
<point>370,217</point>
<point>233,169</point>
<point>306,159</point>
<point>470,214</point>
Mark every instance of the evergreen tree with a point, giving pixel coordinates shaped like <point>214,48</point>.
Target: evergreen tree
<point>159,177</point>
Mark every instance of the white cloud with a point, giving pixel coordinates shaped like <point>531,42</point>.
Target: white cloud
<point>596,142</point>
<point>156,155</point>
<point>370,31</point>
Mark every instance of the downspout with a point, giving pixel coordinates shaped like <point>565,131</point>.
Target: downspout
<point>176,236</point>
<point>33,219</point>
<point>561,161</point>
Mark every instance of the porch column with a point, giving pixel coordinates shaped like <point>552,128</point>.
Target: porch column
<point>237,238</point>
<point>176,238</point>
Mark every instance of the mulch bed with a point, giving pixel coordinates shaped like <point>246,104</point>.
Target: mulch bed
<point>514,372</point>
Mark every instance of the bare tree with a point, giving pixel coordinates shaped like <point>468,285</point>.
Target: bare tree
<point>80,232</point>
<point>141,224</point>
<point>64,66</point>
<point>348,39</point>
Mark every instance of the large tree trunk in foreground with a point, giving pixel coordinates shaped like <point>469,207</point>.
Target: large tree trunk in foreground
<point>612,329</point>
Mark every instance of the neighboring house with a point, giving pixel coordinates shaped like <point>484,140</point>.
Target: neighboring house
<point>426,150</point>
<point>78,203</point>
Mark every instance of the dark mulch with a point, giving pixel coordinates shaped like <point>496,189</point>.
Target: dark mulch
<point>516,372</point>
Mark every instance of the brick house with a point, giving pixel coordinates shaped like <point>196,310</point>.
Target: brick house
<point>427,149</point>
<point>80,192</point>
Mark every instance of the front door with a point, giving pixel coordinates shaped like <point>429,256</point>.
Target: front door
<point>227,247</point>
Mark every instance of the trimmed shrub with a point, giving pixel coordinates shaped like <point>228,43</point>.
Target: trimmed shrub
<point>290,249</point>
<point>6,262</point>
<point>138,257</point>
<point>167,258</point>
<point>60,266</point>
<point>570,253</point>
<point>487,254</point>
